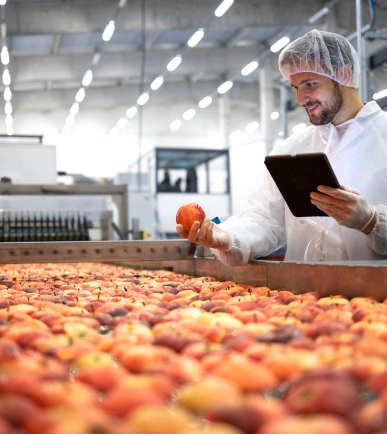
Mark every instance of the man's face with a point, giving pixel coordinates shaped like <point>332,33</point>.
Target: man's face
<point>321,97</point>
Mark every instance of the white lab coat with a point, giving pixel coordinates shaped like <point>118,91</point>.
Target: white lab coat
<point>357,151</point>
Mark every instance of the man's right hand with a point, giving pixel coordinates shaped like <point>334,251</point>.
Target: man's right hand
<point>208,234</point>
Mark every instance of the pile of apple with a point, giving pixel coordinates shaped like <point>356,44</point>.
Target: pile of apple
<point>99,349</point>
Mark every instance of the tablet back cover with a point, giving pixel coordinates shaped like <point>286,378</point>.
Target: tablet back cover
<point>297,176</point>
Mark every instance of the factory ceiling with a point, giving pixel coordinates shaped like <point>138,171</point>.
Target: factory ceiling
<point>53,43</point>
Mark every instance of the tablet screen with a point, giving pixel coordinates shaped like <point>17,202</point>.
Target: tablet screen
<point>296,176</point>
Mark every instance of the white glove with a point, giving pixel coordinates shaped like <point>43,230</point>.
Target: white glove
<point>208,234</point>
<point>347,206</point>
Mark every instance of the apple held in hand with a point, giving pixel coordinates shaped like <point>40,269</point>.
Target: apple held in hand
<point>189,213</point>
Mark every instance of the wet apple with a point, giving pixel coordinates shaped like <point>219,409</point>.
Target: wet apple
<point>189,213</point>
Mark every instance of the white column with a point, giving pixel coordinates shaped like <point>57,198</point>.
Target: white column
<point>266,100</point>
<point>224,119</point>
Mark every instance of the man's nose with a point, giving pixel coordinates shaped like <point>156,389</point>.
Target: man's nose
<point>302,97</point>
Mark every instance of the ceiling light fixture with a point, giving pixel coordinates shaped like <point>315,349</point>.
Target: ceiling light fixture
<point>4,56</point>
<point>280,44</point>
<point>380,94</point>
<point>131,113</point>
<point>252,126</point>
<point>143,99</point>
<point>248,69</point>
<point>9,131</point>
<point>318,15</point>
<point>9,120</point>
<point>175,125</point>
<point>226,86</point>
<point>108,32</point>
<point>205,102</point>
<point>274,115</point>
<point>87,78</point>
<point>223,7</point>
<point>122,3</point>
<point>8,108</point>
<point>70,121</point>
<point>174,63</point>
<point>156,83</point>
<point>195,38</point>
<point>3,2</point>
<point>115,131</point>
<point>122,123</point>
<point>74,109</point>
<point>6,77</point>
<point>7,94</point>
<point>80,96</point>
<point>189,114</point>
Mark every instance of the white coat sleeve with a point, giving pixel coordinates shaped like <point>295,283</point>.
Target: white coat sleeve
<point>260,228</point>
<point>377,239</point>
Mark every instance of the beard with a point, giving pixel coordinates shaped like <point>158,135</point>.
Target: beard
<point>329,109</point>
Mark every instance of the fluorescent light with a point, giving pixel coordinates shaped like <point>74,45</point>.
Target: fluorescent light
<point>96,58</point>
<point>280,44</point>
<point>9,131</point>
<point>70,121</point>
<point>122,123</point>
<point>235,135</point>
<point>227,85</point>
<point>6,77</point>
<point>174,63</point>
<point>274,115</point>
<point>4,56</point>
<point>74,109</point>
<point>80,96</point>
<point>189,114</point>
<point>380,94</point>
<point>8,120</point>
<point>8,108</point>
<point>115,131</point>
<point>205,102</point>
<point>7,94</point>
<point>281,133</point>
<point>248,69</point>
<point>142,99</point>
<point>156,83</point>
<point>131,113</point>
<point>318,15</point>
<point>298,128</point>
<point>3,2</point>
<point>87,78</point>
<point>252,126</point>
<point>108,32</point>
<point>222,8</point>
<point>175,125</point>
<point>195,38</point>
<point>122,3</point>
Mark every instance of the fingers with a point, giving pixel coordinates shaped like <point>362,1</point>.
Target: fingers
<point>181,231</point>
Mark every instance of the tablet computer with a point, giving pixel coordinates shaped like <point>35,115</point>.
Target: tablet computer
<point>297,176</point>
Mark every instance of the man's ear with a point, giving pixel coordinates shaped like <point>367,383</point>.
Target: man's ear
<point>344,74</point>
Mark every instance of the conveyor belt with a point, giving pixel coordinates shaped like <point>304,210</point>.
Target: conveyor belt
<point>360,278</point>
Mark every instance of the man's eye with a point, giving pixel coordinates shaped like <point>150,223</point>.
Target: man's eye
<point>310,84</point>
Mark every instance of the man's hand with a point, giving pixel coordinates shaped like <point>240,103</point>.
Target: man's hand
<point>208,234</point>
<point>346,205</point>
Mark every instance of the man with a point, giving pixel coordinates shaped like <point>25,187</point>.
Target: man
<point>323,68</point>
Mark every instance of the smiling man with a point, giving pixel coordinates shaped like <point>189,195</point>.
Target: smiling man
<point>323,69</point>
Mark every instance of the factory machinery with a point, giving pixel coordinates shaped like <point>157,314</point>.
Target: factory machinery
<point>349,278</point>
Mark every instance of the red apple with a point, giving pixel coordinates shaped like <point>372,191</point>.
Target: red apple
<point>189,213</point>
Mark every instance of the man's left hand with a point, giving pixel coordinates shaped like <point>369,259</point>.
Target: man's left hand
<point>346,205</point>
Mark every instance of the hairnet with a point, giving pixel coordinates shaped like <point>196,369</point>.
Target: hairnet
<point>323,53</point>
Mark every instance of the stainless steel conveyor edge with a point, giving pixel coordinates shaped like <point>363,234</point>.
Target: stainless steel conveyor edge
<point>349,278</point>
